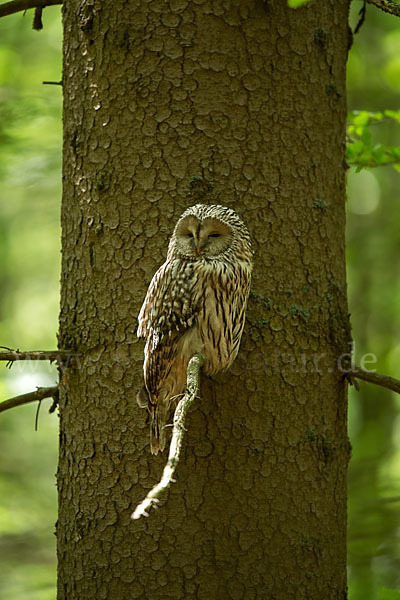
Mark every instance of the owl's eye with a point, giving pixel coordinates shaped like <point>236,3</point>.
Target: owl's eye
<point>190,235</point>
<point>214,235</point>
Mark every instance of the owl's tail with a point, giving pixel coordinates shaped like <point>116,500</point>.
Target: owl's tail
<point>157,428</point>
<point>158,417</point>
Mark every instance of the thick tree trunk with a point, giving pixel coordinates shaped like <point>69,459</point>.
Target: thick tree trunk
<point>239,103</point>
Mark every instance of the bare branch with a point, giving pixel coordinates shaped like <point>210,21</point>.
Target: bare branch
<point>61,356</point>
<point>39,394</point>
<point>192,392</point>
<point>383,380</point>
<point>387,6</point>
<point>9,8</point>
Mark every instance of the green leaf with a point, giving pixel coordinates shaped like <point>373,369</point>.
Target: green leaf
<point>361,118</point>
<point>357,147</point>
<point>365,136</point>
<point>393,114</point>
<point>379,154</point>
<point>394,151</point>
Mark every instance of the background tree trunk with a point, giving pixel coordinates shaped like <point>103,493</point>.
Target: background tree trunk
<point>236,103</point>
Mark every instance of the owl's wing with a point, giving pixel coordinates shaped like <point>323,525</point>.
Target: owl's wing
<point>169,309</point>
<point>169,304</point>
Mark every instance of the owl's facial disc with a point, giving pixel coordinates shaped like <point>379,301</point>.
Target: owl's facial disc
<point>214,237</point>
<point>206,238</point>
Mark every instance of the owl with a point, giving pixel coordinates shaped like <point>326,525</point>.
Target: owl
<point>196,302</point>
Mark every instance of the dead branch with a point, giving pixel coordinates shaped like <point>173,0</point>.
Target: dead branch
<point>387,6</point>
<point>9,8</point>
<point>178,432</point>
<point>39,394</point>
<point>377,378</point>
<point>60,356</point>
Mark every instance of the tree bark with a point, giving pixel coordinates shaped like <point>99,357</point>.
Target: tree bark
<point>239,103</point>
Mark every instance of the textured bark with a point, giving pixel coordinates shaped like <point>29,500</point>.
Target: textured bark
<point>251,97</point>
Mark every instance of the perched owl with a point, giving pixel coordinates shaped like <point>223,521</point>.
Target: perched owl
<point>196,302</point>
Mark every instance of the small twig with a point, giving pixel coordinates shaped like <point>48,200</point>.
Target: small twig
<point>37,414</point>
<point>9,8</point>
<point>353,381</point>
<point>192,392</point>
<point>52,82</point>
<point>362,14</point>
<point>387,6</point>
<point>39,394</point>
<point>37,19</point>
<point>54,404</point>
<point>377,378</point>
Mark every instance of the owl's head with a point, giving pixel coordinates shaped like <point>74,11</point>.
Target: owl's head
<point>209,231</point>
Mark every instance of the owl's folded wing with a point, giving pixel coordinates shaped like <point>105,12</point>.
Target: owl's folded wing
<point>170,303</point>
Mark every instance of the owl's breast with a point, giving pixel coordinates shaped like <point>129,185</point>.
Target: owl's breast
<point>220,320</point>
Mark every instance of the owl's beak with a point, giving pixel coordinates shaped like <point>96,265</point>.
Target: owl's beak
<point>198,250</point>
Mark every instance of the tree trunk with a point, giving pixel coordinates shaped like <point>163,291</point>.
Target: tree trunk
<point>240,103</point>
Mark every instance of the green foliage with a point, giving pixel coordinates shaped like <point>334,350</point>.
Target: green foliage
<point>30,192</point>
<point>361,150</point>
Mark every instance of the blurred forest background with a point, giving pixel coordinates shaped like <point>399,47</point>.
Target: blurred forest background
<point>30,194</point>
